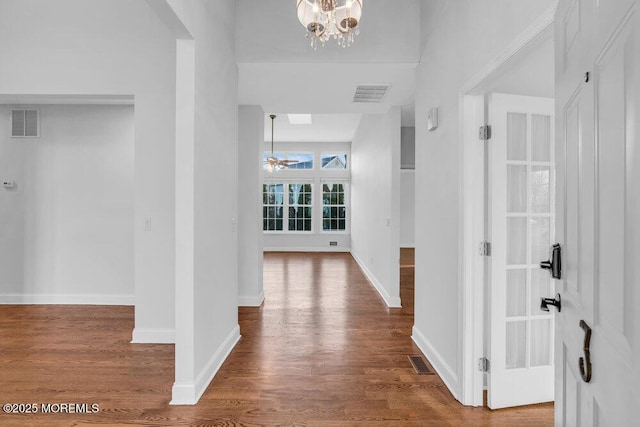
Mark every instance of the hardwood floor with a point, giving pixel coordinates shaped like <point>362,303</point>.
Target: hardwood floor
<point>323,350</point>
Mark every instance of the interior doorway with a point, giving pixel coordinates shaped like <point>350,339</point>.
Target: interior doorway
<point>501,319</point>
<point>407,279</point>
<point>520,226</point>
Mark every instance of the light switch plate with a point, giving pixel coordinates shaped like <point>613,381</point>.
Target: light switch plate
<point>432,119</point>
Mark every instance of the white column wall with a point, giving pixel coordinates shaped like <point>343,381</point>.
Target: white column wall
<point>375,201</point>
<point>207,290</point>
<point>250,239</point>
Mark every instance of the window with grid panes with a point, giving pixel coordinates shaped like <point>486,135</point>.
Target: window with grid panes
<point>334,161</point>
<point>272,207</point>
<point>334,210</point>
<point>300,207</point>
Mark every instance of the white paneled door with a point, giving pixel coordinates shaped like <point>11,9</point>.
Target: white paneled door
<point>522,228</point>
<point>598,209</point>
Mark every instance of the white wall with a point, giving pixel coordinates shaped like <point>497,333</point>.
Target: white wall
<point>531,75</point>
<point>250,241</point>
<point>459,38</point>
<point>74,205</point>
<point>407,208</point>
<point>207,180</point>
<point>375,201</point>
<point>317,240</point>
<point>12,208</point>
<point>110,47</point>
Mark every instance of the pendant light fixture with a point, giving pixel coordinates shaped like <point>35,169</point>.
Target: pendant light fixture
<point>272,162</point>
<point>325,19</point>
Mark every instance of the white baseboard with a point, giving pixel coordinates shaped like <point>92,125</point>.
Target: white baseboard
<point>392,302</point>
<point>153,336</point>
<point>407,245</point>
<point>308,249</point>
<point>251,301</point>
<point>190,392</point>
<point>71,299</point>
<point>446,373</point>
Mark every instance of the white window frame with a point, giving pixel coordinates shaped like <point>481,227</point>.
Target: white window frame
<point>285,216</point>
<point>347,204</point>
<point>284,196</point>
<point>317,176</point>
<point>310,206</point>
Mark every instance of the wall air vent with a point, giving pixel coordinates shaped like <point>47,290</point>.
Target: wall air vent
<point>370,93</point>
<point>25,123</point>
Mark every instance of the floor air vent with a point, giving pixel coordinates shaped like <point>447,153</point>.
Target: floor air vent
<point>420,365</point>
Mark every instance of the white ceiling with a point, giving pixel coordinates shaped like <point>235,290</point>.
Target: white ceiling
<point>282,73</point>
<point>324,128</point>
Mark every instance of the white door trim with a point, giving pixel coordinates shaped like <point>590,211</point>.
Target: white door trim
<point>471,267</point>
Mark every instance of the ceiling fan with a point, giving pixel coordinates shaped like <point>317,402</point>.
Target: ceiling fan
<point>273,163</point>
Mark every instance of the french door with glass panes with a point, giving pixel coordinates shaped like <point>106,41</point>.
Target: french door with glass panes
<point>521,226</point>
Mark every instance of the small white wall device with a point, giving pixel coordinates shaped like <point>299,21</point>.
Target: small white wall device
<point>8,184</point>
<point>432,119</point>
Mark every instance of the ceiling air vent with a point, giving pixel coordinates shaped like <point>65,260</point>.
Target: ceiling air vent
<point>370,93</point>
<point>25,123</point>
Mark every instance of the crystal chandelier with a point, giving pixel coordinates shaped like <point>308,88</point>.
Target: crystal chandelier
<point>325,19</point>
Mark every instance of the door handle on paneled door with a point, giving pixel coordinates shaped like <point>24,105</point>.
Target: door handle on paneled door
<point>546,302</point>
<point>585,362</point>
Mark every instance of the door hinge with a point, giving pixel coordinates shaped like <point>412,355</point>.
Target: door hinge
<point>485,248</point>
<point>483,364</point>
<point>485,133</point>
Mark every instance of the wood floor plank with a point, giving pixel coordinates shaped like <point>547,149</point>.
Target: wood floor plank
<point>323,350</point>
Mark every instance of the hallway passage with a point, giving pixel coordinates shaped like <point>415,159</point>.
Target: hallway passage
<point>323,350</point>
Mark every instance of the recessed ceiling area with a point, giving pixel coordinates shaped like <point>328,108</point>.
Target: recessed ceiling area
<point>326,88</point>
<point>279,71</point>
<point>324,128</point>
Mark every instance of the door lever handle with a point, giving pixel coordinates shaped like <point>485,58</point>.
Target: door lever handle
<point>554,265</point>
<point>546,302</point>
<point>585,362</point>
